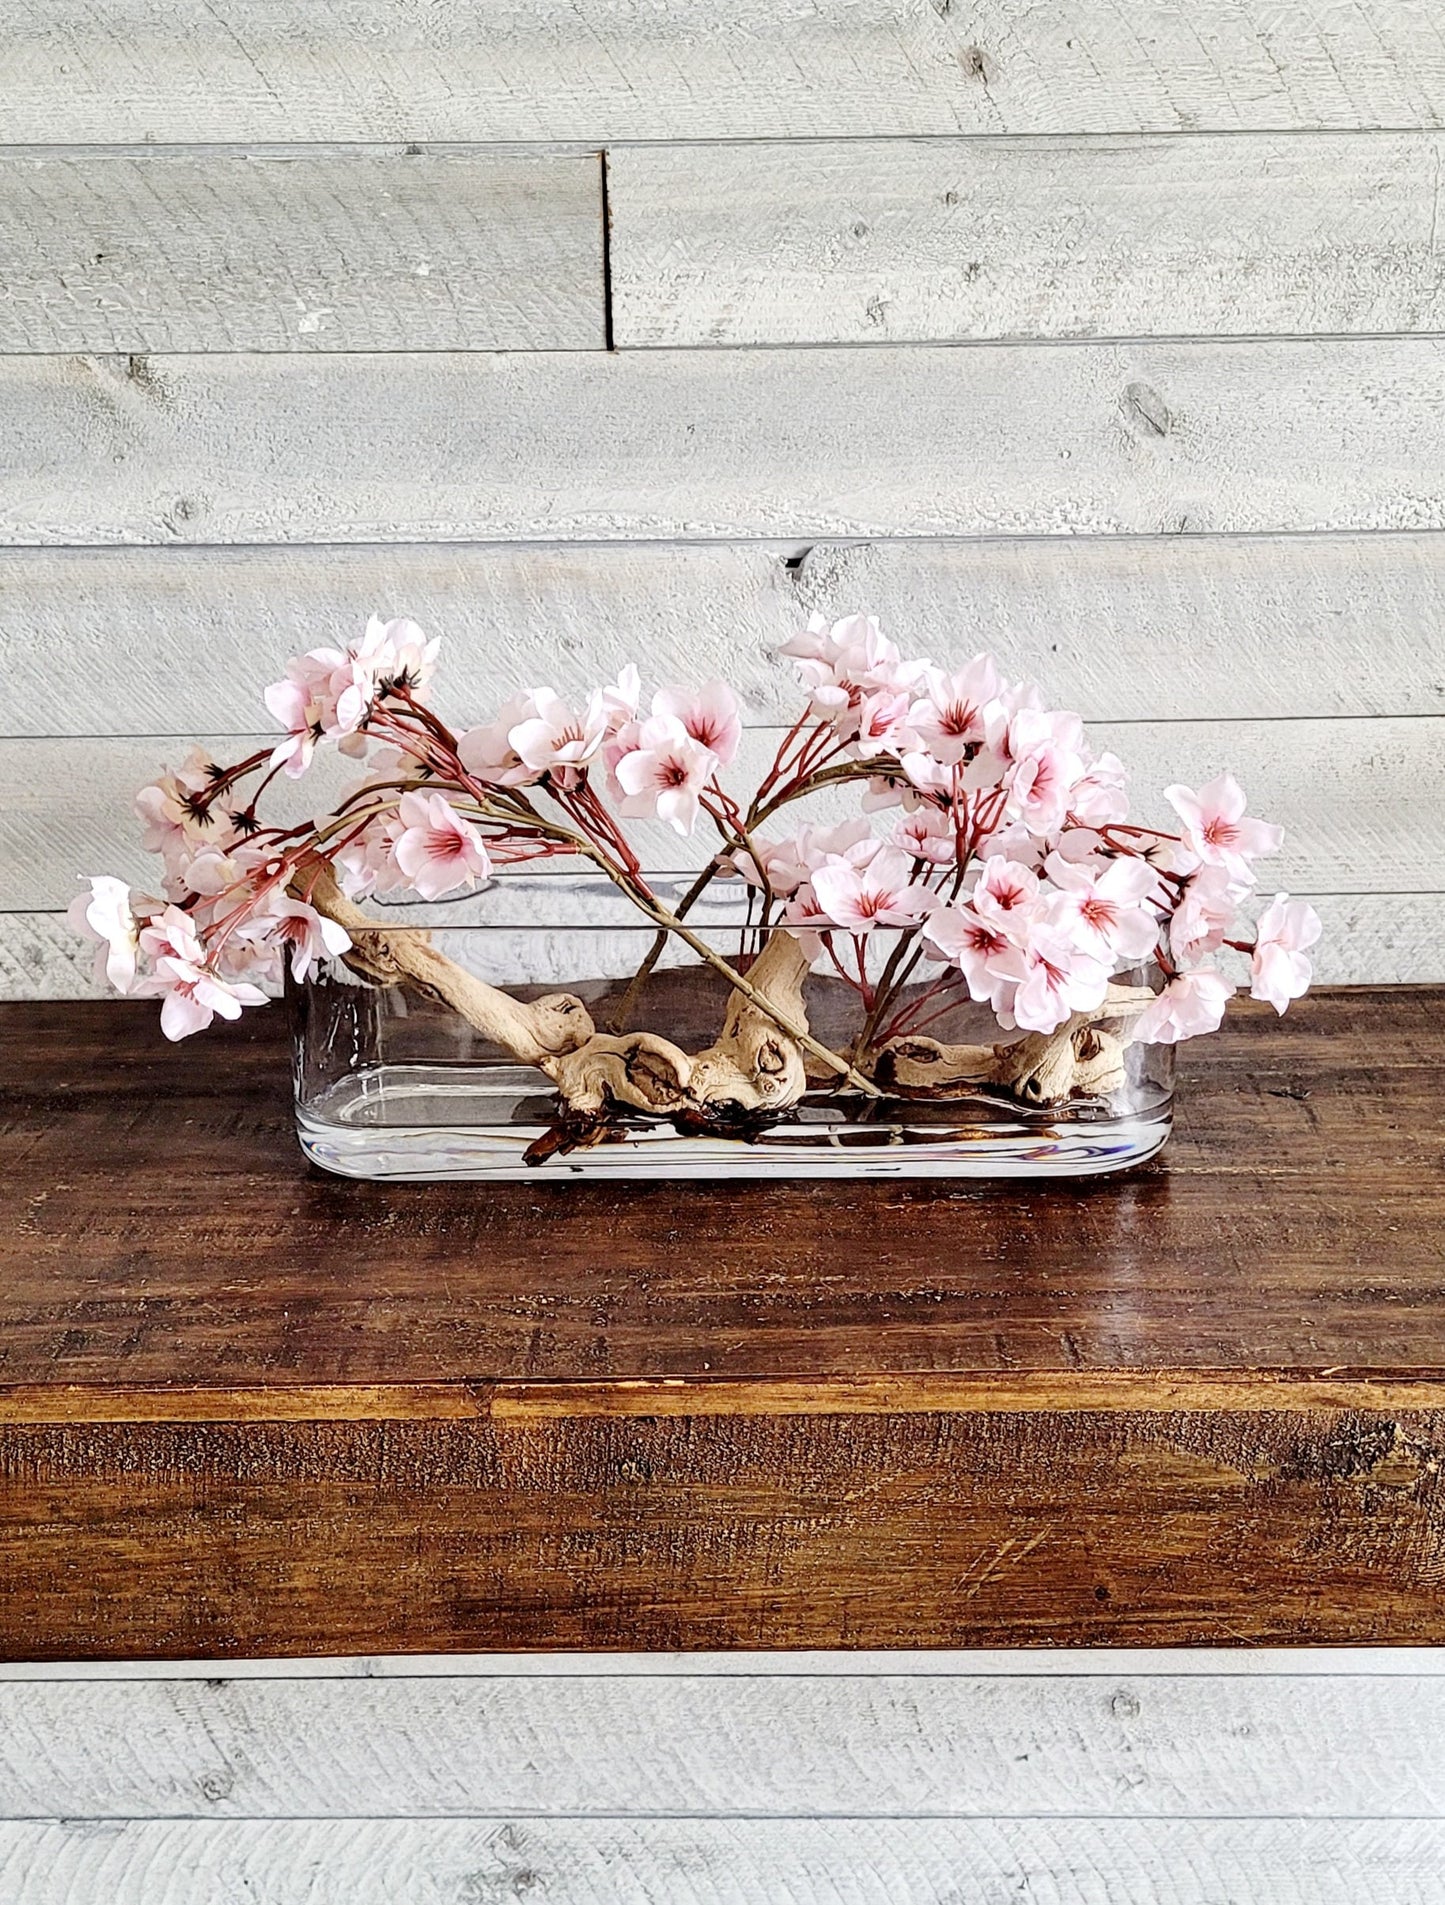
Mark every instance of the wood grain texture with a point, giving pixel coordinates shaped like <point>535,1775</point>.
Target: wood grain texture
<point>190,1539</point>
<point>299,250</point>
<point>1293,1224</point>
<point>1133,1479</point>
<point>983,440</point>
<point>892,241</point>
<point>1361,800</point>
<point>914,1663</point>
<point>1121,628</point>
<point>755,1746</point>
<point>584,69</point>
<point>724,1862</point>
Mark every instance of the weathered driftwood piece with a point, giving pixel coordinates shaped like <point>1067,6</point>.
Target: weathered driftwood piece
<point>754,1065</point>
<point>754,1068</point>
<point>1041,1069</point>
<point>555,1033</point>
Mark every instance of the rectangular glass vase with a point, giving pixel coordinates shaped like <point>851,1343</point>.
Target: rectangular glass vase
<point>392,1083</point>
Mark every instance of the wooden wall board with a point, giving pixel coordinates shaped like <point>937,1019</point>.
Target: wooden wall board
<point>894,241</point>
<point>976,440</point>
<point>759,1746</point>
<point>1360,800</point>
<point>300,249</point>
<point>1369,939</point>
<point>84,71</point>
<point>657,1862</point>
<point>1121,628</point>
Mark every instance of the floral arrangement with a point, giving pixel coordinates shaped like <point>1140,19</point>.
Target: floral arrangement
<point>991,857</point>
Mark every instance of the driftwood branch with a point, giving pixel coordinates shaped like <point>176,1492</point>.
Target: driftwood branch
<point>754,1069</point>
<point>1085,1055</point>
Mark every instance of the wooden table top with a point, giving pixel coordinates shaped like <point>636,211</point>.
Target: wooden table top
<point>160,1230</point>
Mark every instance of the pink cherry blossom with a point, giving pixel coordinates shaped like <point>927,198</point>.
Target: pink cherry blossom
<point>664,772</point>
<point>1280,971</point>
<point>487,752</point>
<point>555,740</point>
<point>393,657</point>
<point>176,817</point>
<point>105,914</point>
<point>844,662</point>
<point>881,893</point>
<point>1101,799</point>
<point>1005,895</point>
<point>365,864</point>
<point>881,723</point>
<point>788,863</point>
<point>926,776</point>
<point>1013,841</point>
<point>1204,913</point>
<point>948,720</point>
<point>291,924</point>
<point>1191,1003</point>
<point>709,714</point>
<point>1045,760</point>
<point>1107,911</point>
<point>1216,830</point>
<point>1056,977</point>
<point>975,946</point>
<point>620,699</point>
<point>325,695</point>
<point>927,834</point>
<point>193,993</point>
<point>436,848</point>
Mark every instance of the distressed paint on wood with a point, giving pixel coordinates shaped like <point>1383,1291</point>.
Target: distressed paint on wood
<point>983,440</point>
<point>1369,939</point>
<point>879,1746</point>
<point>1360,800</point>
<point>585,69</point>
<point>894,242</point>
<point>725,1862</point>
<point>300,250</point>
<point>1213,628</point>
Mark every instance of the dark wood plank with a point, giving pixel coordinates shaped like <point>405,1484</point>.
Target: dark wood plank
<point>159,1229</point>
<point>248,1409</point>
<point>173,1540</point>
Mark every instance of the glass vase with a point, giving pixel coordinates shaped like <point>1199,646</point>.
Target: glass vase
<point>393,1081</point>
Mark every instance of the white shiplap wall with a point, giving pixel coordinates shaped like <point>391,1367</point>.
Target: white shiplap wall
<point>1112,337</point>
<point>1141,1778</point>
<point>1111,341</point>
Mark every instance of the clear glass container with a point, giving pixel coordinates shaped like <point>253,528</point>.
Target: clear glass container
<point>393,1083</point>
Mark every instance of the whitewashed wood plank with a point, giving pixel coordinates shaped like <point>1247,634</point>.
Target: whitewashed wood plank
<point>549,446</point>
<point>722,1862</point>
<point>299,250</point>
<point>99,70</point>
<point>1362,801</point>
<point>895,241</point>
<point>1369,939</point>
<point>883,1747</point>
<point>139,641</point>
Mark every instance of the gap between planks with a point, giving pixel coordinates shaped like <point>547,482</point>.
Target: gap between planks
<point>521,1404</point>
